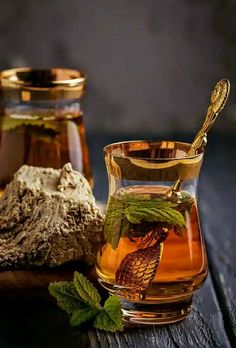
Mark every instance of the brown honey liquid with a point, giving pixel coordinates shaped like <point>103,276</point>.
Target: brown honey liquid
<point>182,267</point>
<point>44,143</point>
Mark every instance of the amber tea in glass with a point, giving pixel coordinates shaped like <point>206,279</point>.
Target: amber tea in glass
<point>41,121</point>
<point>153,255</point>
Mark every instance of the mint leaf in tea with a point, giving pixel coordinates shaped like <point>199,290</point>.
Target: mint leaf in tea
<point>147,240</point>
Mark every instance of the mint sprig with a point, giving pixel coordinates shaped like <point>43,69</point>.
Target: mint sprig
<point>81,300</point>
<point>123,210</point>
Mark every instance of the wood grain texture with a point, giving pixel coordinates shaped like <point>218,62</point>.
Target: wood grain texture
<point>203,328</point>
<point>218,201</point>
<point>36,323</point>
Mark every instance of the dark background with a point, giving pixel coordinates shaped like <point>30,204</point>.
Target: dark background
<point>151,64</point>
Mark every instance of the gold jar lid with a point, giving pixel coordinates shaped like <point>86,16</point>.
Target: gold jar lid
<point>27,84</point>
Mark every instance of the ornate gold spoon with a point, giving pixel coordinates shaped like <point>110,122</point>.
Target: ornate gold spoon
<point>219,98</point>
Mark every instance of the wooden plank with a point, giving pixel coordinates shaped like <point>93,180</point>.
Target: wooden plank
<point>36,324</point>
<point>203,328</point>
<point>218,201</point>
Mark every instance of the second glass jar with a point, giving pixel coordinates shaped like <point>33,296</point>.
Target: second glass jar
<point>41,121</point>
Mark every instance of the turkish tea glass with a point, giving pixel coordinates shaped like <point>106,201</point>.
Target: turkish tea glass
<point>153,256</point>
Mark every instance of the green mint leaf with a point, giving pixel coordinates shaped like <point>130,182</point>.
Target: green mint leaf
<point>66,296</point>
<point>115,228</point>
<point>113,308</point>
<point>135,209</point>
<point>114,222</point>
<point>116,225</point>
<point>86,290</point>
<point>136,214</point>
<point>110,317</point>
<point>82,315</point>
<point>80,299</point>
<point>9,123</point>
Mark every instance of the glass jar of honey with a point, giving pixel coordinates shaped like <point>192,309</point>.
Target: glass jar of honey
<point>41,121</point>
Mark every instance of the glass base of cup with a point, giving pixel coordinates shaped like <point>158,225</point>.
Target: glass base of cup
<point>165,306</point>
<point>155,314</point>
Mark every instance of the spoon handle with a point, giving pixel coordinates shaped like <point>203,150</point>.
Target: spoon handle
<point>218,100</point>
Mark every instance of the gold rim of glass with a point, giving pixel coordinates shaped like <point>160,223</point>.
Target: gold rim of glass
<point>132,147</point>
<point>29,84</point>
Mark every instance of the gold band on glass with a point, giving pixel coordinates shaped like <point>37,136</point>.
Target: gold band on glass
<point>26,84</point>
<point>122,163</point>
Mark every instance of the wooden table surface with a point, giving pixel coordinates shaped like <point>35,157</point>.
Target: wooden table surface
<point>212,322</point>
